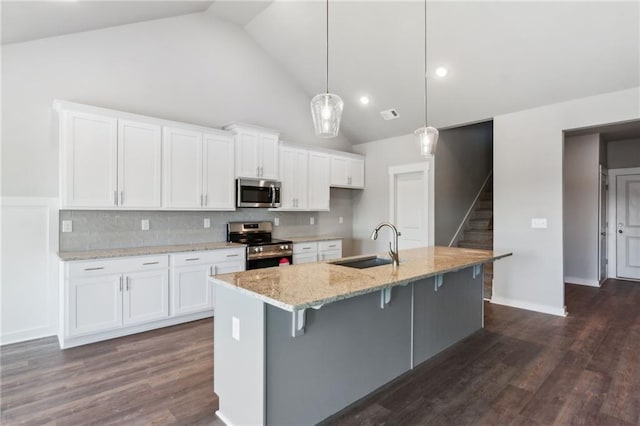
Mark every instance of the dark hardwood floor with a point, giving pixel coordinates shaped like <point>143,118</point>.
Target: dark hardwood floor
<point>523,368</point>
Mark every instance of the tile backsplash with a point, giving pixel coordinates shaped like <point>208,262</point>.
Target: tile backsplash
<point>105,229</point>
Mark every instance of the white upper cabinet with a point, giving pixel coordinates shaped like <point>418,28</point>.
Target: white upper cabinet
<point>108,162</point>
<point>89,162</point>
<point>347,171</point>
<point>294,174</point>
<point>219,172</point>
<point>182,168</point>
<point>139,165</point>
<point>199,169</point>
<point>257,152</point>
<point>319,181</point>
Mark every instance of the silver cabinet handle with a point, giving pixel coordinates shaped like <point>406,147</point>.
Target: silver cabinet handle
<point>201,199</point>
<point>128,283</point>
<point>258,171</point>
<point>332,245</point>
<point>193,258</point>
<point>233,255</point>
<point>94,269</point>
<point>150,263</point>
<point>120,283</point>
<point>115,198</point>
<point>122,198</point>
<point>306,248</point>
<point>206,199</point>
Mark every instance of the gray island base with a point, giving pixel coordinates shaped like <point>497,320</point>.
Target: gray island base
<point>296,355</point>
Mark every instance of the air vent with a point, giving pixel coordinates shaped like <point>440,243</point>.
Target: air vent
<point>390,114</point>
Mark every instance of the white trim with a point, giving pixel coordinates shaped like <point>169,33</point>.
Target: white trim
<point>581,281</point>
<point>427,167</point>
<point>24,335</point>
<point>612,270</point>
<point>545,309</point>
<point>223,418</point>
<point>602,171</point>
<point>471,208</point>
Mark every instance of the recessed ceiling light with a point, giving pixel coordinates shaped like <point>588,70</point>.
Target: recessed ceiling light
<point>441,72</point>
<point>364,100</point>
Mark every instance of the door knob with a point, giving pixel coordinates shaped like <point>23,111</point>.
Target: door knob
<point>619,231</point>
<point>602,233</point>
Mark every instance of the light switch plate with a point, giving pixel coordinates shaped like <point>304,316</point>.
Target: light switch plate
<point>144,224</point>
<point>235,328</point>
<point>276,221</point>
<point>67,226</point>
<point>207,223</point>
<point>340,220</point>
<point>312,220</point>
<point>539,223</point>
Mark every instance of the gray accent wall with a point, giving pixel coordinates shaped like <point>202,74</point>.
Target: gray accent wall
<point>623,154</point>
<point>463,160</point>
<point>117,229</point>
<point>581,185</point>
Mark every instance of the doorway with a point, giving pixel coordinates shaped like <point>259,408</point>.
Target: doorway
<point>625,228</point>
<point>411,204</point>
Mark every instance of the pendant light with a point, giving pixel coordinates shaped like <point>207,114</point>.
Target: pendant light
<point>426,136</point>
<point>326,108</point>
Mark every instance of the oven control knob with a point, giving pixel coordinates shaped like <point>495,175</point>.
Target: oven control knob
<point>256,249</point>
<point>260,249</point>
<point>283,247</point>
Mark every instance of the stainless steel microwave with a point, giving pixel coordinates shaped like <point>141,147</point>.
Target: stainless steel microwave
<point>257,193</point>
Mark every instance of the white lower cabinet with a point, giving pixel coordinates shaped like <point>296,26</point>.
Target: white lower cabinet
<point>106,295</point>
<point>329,250</point>
<point>311,252</point>
<point>191,290</point>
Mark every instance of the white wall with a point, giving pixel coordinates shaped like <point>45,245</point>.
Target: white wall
<point>193,68</point>
<point>581,185</point>
<point>528,159</point>
<point>623,154</point>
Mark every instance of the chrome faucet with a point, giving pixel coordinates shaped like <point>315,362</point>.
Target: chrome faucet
<point>393,251</point>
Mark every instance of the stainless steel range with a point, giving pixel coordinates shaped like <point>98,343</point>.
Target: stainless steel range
<point>262,250</point>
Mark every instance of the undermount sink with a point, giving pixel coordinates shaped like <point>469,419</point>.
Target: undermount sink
<point>364,262</point>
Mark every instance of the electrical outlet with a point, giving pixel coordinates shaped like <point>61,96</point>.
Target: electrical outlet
<point>539,223</point>
<point>144,224</point>
<point>67,226</point>
<point>276,221</point>
<point>340,220</point>
<point>207,223</point>
<point>312,220</point>
<point>235,328</point>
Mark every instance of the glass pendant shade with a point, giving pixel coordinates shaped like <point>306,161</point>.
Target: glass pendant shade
<point>326,110</point>
<point>427,138</point>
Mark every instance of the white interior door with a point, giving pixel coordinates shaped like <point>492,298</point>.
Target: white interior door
<point>411,207</point>
<point>628,226</point>
<point>602,247</point>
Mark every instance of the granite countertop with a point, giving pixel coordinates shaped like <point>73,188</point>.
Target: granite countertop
<point>312,239</point>
<point>68,256</point>
<point>301,286</point>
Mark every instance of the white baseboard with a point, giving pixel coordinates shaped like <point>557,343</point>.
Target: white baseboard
<point>223,418</point>
<point>24,335</point>
<point>545,309</point>
<point>581,281</point>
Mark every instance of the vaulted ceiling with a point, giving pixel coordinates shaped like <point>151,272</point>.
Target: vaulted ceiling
<point>502,56</point>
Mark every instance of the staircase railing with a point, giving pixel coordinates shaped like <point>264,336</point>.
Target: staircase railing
<point>467,217</point>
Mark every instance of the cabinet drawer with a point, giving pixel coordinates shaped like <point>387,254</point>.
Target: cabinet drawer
<point>305,248</point>
<point>207,257</point>
<point>330,245</point>
<point>117,266</point>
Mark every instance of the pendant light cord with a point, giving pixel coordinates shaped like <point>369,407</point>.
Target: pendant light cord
<point>327,45</point>
<point>425,63</point>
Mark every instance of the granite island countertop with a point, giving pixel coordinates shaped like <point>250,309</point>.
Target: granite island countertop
<point>68,256</point>
<point>302,286</point>
<point>312,239</point>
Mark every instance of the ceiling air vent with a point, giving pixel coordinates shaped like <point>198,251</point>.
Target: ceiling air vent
<point>390,114</point>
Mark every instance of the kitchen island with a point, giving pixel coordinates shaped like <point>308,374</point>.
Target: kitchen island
<point>296,344</point>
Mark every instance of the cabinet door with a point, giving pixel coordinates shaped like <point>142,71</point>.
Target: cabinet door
<point>139,165</point>
<point>94,304</point>
<point>299,259</point>
<point>339,171</point>
<point>247,155</point>
<point>356,174</point>
<point>182,152</point>
<point>269,156</point>
<point>319,181</point>
<point>190,289</point>
<point>146,296</point>
<point>288,192</point>
<point>89,160</point>
<point>330,255</point>
<point>219,172</point>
